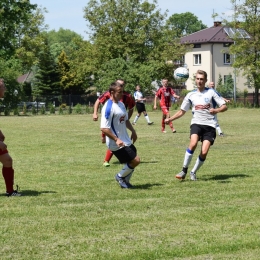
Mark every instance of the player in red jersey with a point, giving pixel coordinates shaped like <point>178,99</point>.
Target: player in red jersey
<point>6,159</point>
<point>165,94</point>
<point>129,103</point>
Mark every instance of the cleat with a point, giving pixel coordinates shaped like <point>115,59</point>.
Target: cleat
<point>150,123</point>
<point>163,131</point>
<point>14,193</point>
<point>181,175</point>
<point>133,123</point>
<point>121,182</point>
<point>106,164</point>
<point>193,176</point>
<point>221,135</point>
<point>173,130</point>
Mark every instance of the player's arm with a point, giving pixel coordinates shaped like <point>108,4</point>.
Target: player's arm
<point>130,127</point>
<point>95,113</point>
<point>109,134</point>
<point>155,102</point>
<point>220,109</point>
<point>226,100</point>
<point>2,137</point>
<point>130,112</point>
<point>177,115</point>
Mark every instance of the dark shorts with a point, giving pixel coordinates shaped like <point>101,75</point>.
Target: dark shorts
<point>125,154</point>
<point>204,132</point>
<point>140,107</point>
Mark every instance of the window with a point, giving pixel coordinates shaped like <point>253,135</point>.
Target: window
<point>227,58</point>
<point>197,59</point>
<point>197,45</point>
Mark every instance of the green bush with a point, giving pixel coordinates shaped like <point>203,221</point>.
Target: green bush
<point>60,110</point>
<point>7,112</point>
<point>16,112</point>
<point>34,112</point>
<point>52,109</point>
<point>42,111</point>
<point>78,109</point>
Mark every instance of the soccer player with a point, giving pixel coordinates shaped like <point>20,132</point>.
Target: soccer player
<point>114,124</point>
<point>129,103</point>
<point>140,106</point>
<point>6,159</point>
<point>203,123</point>
<point>220,133</point>
<point>165,93</point>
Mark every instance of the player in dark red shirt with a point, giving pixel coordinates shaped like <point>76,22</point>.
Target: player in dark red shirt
<point>6,159</point>
<point>165,93</point>
<point>129,103</point>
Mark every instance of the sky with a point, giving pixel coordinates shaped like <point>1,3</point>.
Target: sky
<point>68,14</point>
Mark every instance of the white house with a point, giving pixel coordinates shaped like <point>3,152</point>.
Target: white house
<point>210,53</point>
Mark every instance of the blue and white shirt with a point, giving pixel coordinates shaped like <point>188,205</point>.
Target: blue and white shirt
<point>201,103</point>
<point>114,116</point>
<point>138,95</point>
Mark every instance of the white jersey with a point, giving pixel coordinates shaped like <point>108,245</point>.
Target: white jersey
<point>114,116</point>
<point>201,103</point>
<point>138,95</point>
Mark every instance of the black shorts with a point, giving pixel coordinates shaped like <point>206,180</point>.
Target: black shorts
<point>204,132</point>
<point>125,154</point>
<point>140,107</point>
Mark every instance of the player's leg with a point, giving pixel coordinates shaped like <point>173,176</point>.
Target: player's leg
<point>163,122</point>
<point>208,137</point>
<point>136,119</point>
<point>194,138</point>
<point>108,157</point>
<point>171,124</point>
<point>128,156</point>
<point>8,174</point>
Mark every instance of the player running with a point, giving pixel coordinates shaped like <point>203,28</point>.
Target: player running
<point>165,93</point>
<point>203,123</point>
<point>129,103</point>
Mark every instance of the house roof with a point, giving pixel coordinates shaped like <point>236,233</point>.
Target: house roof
<point>25,78</point>
<point>214,34</point>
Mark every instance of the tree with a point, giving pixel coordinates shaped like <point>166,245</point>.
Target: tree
<point>184,23</point>
<point>131,30</point>
<point>46,80</point>
<point>13,16</point>
<point>247,50</point>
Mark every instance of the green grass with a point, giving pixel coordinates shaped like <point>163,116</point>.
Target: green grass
<point>72,208</point>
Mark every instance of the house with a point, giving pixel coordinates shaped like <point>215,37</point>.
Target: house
<point>210,53</point>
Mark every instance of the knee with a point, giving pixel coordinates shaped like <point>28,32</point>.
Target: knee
<point>136,161</point>
<point>7,161</point>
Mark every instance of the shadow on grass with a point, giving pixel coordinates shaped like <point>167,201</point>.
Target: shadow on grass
<point>224,177</point>
<point>146,186</point>
<point>31,193</point>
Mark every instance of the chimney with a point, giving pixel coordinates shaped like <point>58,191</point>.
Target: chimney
<point>216,24</point>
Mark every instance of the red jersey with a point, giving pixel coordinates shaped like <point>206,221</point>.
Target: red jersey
<point>165,94</point>
<point>127,99</point>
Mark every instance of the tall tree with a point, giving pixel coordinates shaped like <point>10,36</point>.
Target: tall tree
<point>133,30</point>
<point>46,80</point>
<point>184,23</point>
<point>13,15</point>
<point>247,50</point>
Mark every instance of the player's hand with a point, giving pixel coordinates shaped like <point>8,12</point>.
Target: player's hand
<point>213,111</point>
<point>95,117</point>
<point>134,136</point>
<point>3,146</point>
<point>167,121</point>
<point>2,137</point>
<point>155,107</point>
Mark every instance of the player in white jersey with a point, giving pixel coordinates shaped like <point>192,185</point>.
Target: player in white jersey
<point>140,106</point>
<point>114,124</point>
<point>203,123</point>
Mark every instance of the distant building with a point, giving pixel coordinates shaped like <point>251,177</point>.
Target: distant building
<point>211,53</point>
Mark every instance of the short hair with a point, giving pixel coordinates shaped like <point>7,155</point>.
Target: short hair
<point>114,85</point>
<point>121,80</point>
<point>202,72</point>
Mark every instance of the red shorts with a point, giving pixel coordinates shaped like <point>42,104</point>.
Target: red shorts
<point>165,110</point>
<point>3,151</point>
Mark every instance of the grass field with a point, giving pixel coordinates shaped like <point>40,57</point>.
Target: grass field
<point>72,208</point>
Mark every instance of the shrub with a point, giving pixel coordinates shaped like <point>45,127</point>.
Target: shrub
<point>60,110</point>
<point>42,110</point>
<point>16,112</point>
<point>78,109</point>
<point>52,109</point>
<point>34,110</point>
